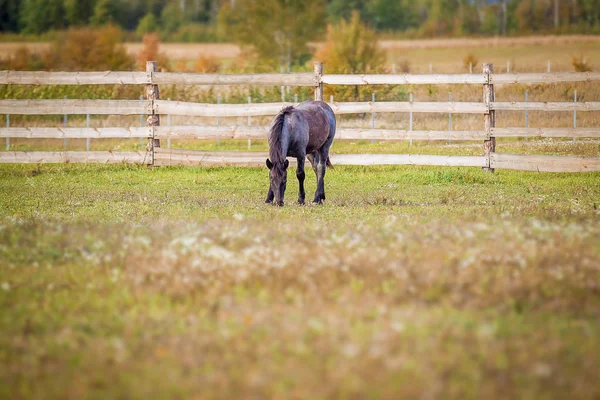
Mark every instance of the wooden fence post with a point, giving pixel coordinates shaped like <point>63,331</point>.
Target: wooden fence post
<point>318,84</point>
<point>152,94</point>
<point>489,119</point>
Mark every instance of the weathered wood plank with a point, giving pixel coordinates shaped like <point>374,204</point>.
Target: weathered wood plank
<point>405,106</point>
<point>542,163</point>
<point>404,79</point>
<point>261,132</point>
<point>59,107</point>
<point>398,134</point>
<point>75,133</point>
<point>554,77</point>
<point>291,79</point>
<point>212,132</point>
<point>103,157</point>
<point>408,159</point>
<point>546,132</point>
<point>268,109</point>
<point>73,78</point>
<point>545,106</point>
<point>217,110</point>
<point>186,157</point>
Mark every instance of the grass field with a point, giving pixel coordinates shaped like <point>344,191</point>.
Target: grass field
<point>130,282</point>
<point>133,282</point>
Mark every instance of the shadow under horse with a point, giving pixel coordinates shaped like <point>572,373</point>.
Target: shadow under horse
<point>305,131</point>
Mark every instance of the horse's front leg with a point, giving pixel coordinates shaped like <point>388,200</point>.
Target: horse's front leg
<point>301,175</point>
<point>270,196</point>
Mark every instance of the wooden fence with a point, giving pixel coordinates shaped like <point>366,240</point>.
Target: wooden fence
<point>154,107</point>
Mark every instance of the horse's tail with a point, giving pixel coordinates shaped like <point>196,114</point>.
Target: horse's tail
<point>328,163</point>
<point>275,150</point>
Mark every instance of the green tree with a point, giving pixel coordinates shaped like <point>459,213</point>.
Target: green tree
<point>38,16</point>
<point>392,14</point>
<point>277,29</point>
<point>9,15</point>
<point>491,23</point>
<point>79,12</point>
<point>343,9</point>
<point>171,18</point>
<point>105,12</point>
<point>147,24</point>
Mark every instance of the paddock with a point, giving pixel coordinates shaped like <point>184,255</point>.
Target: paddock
<point>156,134</point>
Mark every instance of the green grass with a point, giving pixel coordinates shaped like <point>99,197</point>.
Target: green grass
<point>132,282</point>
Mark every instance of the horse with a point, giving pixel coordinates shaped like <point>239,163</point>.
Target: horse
<point>304,131</point>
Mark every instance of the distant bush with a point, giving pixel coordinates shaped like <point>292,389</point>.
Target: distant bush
<point>470,61</point>
<point>581,64</point>
<point>150,52</point>
<point>207,65</point>
<point>78,49</point>
<point>22,59</point>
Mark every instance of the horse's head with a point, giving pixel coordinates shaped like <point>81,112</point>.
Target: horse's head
<point>278,178</point>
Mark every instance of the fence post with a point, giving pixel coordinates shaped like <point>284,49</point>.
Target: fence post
<point>249,123</point>
<point>489,119</point>
<point>373,115</point>
<point>88,140</point>
<point>450,116</point>
<point>219,119</point>
<point>141,124</point>
<point>318,66</point>
<point>64,126</point>
<point>152,94</point>
<point>410,123</point>
<point>169,125</point>
<point>575,115</point>
<point>8,126</point>
<point>526,113</point>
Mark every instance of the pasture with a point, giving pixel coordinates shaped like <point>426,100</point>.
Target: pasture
<point>130,281</point>
<point>179,282</point>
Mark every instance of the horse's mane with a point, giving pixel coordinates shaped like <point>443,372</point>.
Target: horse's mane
<point>275,136</point>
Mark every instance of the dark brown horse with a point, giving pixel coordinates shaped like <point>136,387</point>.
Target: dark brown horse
<point>305,131</point>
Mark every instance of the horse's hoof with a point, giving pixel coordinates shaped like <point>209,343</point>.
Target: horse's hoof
<point>301,202</point>
<point>318,202</point>
<point>267,201</point>
<point>280,204</point>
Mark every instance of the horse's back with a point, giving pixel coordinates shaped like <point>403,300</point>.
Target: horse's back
<point>321,123</point>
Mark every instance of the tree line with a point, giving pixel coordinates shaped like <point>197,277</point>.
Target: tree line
<point>212,20</point>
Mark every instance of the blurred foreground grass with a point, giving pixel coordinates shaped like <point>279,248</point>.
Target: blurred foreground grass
<point>129,282</point>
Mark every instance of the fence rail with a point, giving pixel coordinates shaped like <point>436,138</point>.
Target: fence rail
<point>154,107</point>
<point>77,107</point>
<point>287,79</point>
<point>164,107</point>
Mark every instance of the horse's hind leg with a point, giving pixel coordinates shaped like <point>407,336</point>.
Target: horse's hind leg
<point>315,161</point>
<point>321,169</point>
<point>301,175</point>
<point>313,158</point>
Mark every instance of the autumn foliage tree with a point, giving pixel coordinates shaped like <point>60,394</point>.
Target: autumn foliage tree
<point>150,52</point>
<point>351,48</point>
<point>278,30</point>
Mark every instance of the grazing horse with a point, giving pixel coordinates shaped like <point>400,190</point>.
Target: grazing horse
<point>305,131</point>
